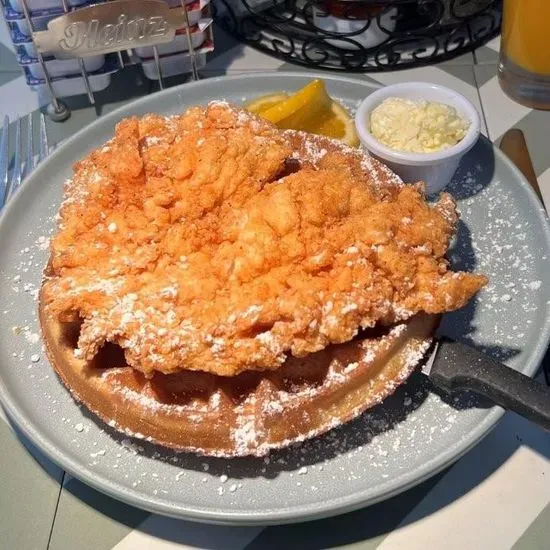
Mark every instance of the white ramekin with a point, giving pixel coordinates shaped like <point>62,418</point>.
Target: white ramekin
<point>435,169</point>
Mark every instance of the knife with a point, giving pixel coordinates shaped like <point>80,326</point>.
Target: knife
<point>514,146</point>
<point>457,366</point>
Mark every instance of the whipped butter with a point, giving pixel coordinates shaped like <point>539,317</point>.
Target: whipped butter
<point>417,126</point>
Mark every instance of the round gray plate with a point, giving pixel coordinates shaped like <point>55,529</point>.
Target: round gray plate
<point>410,437</point>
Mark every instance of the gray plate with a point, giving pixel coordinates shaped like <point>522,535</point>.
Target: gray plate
<point>410,437</point>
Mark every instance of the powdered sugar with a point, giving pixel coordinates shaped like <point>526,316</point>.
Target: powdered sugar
<point>500,251</point>
<point>245,435</point>
<point>152,140</point>
<point>384,444</point>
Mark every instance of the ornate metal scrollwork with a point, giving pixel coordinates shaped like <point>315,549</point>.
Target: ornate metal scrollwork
<point>361,35</point>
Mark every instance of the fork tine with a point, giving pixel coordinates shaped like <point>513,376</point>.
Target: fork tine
<point>29,163</point>
<point>16,175</point>
<point>20,169</point>
<point>4,159</point>
<point>44,148</point>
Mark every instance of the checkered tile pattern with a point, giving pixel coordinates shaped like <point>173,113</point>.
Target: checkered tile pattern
<point>496,497</point>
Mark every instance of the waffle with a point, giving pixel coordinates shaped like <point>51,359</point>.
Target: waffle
<point>202,403</point>
<point>248,414</point>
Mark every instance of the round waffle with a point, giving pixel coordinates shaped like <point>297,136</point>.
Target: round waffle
<point>248,414</point>
<point>210,406</point>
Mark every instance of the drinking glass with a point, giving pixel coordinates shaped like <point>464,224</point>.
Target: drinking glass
<point>524,67</point>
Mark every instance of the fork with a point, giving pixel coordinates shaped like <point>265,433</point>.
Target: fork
<point>21,167</point>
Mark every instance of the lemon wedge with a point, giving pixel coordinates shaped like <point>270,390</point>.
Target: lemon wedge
<point>310,109</point>
<point>263,103</point>
<point>300,109</point>
<point>339,125</point>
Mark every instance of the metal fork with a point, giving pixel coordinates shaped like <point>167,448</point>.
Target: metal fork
<point>21,167</point>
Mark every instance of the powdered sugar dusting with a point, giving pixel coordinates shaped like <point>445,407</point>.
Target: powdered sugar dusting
<point>378,174</point>
<point>500,250</point>
<point>379,447</point>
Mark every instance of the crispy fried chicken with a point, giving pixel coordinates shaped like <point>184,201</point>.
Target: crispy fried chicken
<point>213,241</point>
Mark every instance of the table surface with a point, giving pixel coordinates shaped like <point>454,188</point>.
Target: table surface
<point>495,497</point>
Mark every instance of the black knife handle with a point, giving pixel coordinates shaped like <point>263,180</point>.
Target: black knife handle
<point>459,366</point>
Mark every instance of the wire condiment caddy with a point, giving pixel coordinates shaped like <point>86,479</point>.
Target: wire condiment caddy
<point>74,46</point>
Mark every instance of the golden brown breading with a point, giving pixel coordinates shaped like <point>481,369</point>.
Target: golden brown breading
<point>198,242</point>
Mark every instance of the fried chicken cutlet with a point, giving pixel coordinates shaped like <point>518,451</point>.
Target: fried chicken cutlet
<point>213,241</point>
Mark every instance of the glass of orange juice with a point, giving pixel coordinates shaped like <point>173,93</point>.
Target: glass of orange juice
<point>524,68</point>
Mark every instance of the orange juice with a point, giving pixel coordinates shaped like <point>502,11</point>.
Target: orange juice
<point>526,34</point>
<point>524,67</point>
